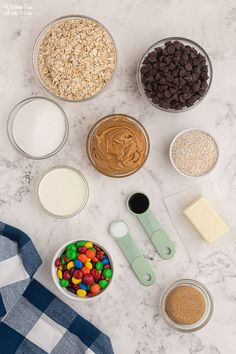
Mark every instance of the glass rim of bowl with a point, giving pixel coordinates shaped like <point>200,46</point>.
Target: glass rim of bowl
<point>160,43</point>
<point>10,123</point>
<point>208,302</point>
<point>43,174</point>
<point>66,292</point>
<point>113,115</point>
<point>38,41</point>
<point>183,132</point>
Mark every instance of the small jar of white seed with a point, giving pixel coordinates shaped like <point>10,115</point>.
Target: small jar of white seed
<point>194,153</point>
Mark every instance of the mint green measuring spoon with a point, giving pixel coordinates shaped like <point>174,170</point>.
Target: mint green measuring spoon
<point>138,204</point>
<point>120,232</point>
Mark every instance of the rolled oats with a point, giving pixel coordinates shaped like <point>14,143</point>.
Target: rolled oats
<point>76,58</point>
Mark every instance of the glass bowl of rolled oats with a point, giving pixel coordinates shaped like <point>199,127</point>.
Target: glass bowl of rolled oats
<point>74,58</point>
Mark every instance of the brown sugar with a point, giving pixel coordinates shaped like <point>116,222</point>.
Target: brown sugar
<point>185,305</point>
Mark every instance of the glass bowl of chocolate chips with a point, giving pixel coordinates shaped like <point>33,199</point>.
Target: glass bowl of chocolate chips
<point>174,74</point>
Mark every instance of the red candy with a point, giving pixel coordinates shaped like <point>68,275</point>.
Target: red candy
<point>82,249</point>
<point>107,266</point>
<point>102,277</point>
<point>97,248</point>
<point>77,274</point>
<point>89,294</point>
<point>88,279</point>
<point>58,262</point>
<point>99,255</point>
<point>76,287</point>
<point>95,273</point>
<point>67,260</point>
<point>66,275</point>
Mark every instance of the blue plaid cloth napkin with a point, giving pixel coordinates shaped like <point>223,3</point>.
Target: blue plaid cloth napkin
<point>32,319</point>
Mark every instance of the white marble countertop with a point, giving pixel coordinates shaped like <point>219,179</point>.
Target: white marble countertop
<point>129,312</point>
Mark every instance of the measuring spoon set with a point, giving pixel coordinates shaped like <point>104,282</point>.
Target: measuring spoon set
<point>139,205</point>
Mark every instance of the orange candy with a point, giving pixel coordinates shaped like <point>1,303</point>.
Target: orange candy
<point>95,288</point>
<point>82,258</point>
<point>85,270</point>
<point>95,260</point>
<point>90,254</point>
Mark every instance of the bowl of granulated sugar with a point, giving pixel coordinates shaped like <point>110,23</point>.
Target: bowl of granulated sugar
<point>194,153</point>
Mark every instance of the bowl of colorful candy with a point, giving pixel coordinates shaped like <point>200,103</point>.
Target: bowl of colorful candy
<point>82,270</point>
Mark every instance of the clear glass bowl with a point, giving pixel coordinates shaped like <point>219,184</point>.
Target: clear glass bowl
<point>38,42</point>
<point>65,291</point>
<point>67,215</point>
<point>172,161</point>
<point>10,125</point>
<point>161,43</point>
<point>208,302</point>
<point>134,121</point>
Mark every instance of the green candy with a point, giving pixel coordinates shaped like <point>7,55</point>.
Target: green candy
<point>72,247</point>
<point>103,284</point>
<point>63,262</point>
<point>64,283</point>
<point>93,249</point>
<point>89,287</point>
<point>99,265</point>
<point>107,273</point>
<point>80,243</point>
<point>71,254</point>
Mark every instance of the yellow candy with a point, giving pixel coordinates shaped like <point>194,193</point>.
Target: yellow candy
<point>88,245</point>
<point>70,265</point>
<point>75,280</point>
<point>88,265</point>
<point>81,293</point>
<point>61,267</point>
<point>59,274</point>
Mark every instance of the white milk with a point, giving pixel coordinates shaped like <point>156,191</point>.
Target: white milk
<point>63,191</point>
<point>39,127</point>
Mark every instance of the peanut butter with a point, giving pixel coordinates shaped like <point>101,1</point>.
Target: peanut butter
<point>118,146</point>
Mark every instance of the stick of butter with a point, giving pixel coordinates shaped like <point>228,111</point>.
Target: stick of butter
<point>205,219</point>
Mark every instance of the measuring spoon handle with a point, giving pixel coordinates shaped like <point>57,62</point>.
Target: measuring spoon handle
<point>157,234</point>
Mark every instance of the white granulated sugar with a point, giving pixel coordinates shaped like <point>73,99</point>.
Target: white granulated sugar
<point>39,127</point>
<point>194,153</point>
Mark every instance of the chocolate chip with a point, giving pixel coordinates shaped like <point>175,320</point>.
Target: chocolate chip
<point>171,49</point>
<point>169,77</point>
<point>181,82</point>
<point>152,58</point>
<point>155,99</point>
<point>196,86</point>
<point>182,73</point>
<point>188,67</point>
<point>172,66</point>
<point>167,94</point>
<point>148,87</point>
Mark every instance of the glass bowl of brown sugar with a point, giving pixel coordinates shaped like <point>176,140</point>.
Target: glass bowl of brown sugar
<point>186,305</point>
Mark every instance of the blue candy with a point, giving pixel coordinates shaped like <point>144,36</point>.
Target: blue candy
<point>105,261</point>
<point>78,264</point>
<point>83,286</point>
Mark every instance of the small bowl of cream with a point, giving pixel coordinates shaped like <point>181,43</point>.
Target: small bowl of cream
<point>37,128</point>
<point>62,191</point>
